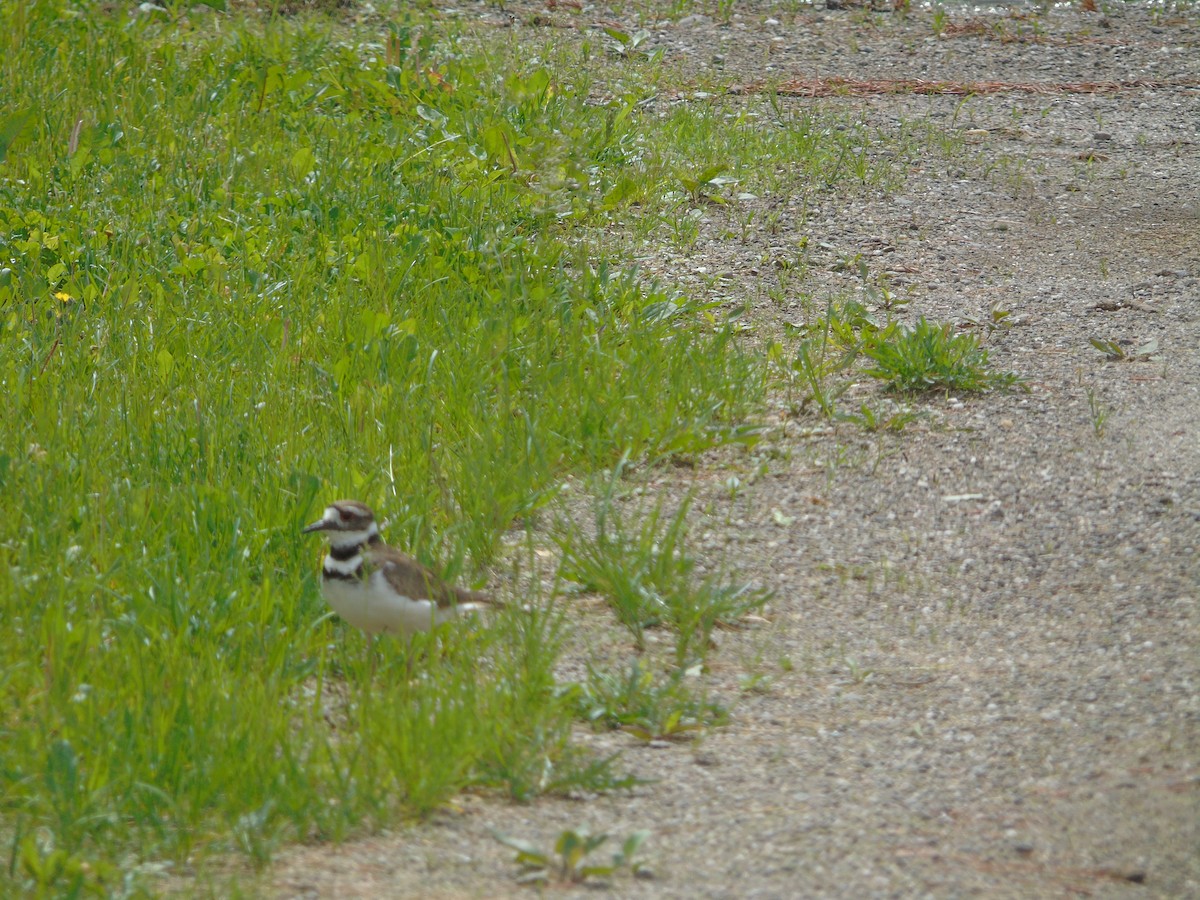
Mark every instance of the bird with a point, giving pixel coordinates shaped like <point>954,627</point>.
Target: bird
<point>378,589</point>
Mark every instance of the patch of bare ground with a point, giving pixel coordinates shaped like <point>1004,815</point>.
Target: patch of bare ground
<point>981,672</point>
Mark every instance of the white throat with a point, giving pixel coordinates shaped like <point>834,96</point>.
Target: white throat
<point>342,566</point>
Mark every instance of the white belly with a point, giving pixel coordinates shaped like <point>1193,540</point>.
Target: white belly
<point>373,607</point>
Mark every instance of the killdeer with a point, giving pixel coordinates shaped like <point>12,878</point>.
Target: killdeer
<point>378,589</point>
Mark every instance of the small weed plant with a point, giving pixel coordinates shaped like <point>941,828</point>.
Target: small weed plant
<point>997,319</point>
<point>892,419</point>
<point>927,357</point>
<point>1098,414</point>
<point>570,861</point>
<point>1125,351</point>
<point>625,45</point>
<point>648,577</point>
<point>649,705</point>
<point>908,360</point>
<point>704,185</point>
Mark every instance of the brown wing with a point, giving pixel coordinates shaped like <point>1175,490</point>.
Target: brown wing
<point>418,582</point>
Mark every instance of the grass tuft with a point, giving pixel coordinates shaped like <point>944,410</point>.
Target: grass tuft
<point>929,356</point>
<point>650,579</point>
<point>649,705</point>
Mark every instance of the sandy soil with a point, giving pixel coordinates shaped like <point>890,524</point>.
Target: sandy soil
<point>991,618</point>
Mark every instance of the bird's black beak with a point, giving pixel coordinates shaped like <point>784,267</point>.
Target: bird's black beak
<point>319,525</point>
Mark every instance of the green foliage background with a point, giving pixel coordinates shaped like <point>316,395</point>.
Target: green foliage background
<point>249,266</point>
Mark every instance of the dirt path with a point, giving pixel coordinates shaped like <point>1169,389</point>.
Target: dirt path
<point>990,620</point>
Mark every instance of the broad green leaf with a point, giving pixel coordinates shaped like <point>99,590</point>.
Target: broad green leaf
<point>619,36</point>
<point>10,129</point>
<point>527,852</point>
<point>498,143</point>
<point>166,363</point>
<point>431,115</point>
<point>302,163</point>
<point>602,871</point>
<point>633,843</point>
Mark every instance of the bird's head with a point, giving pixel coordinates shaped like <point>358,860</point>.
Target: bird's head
<point>349,522</point>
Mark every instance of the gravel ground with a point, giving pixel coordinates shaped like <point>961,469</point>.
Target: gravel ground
<point>991,617</point>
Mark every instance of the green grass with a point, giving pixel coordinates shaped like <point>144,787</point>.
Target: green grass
<point>907,359</point>
<point>571,862</point>
<point>649,578</point>
<point>250,265</point>
<point>711,149</point>
<point>271,266</point>
<point>927,356</point>
<point>645,702</point>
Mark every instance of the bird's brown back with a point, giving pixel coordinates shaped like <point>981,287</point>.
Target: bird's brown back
<point>418,582</point>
